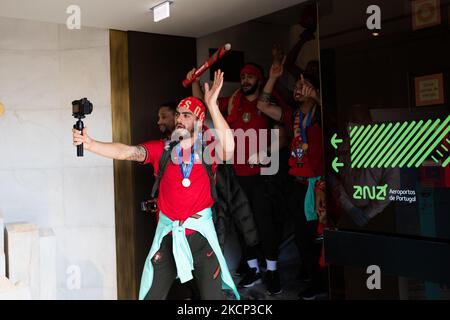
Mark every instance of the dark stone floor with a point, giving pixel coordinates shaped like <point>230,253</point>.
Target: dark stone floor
<point>288,266</point>
<point>290,283</point>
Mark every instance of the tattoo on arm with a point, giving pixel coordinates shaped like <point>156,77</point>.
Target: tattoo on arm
<point>139,154</point>
<point>264,97</point>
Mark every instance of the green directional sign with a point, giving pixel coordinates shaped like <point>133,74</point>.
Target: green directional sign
<point>336,164</point>
<point>400,145</point>
<point>335,141</point>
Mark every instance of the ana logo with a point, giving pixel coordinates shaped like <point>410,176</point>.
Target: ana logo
<point>370,192</point>
<point>74,20</point>
<point>374,20</point>
<point>73,281</point>
<point>374,280</point>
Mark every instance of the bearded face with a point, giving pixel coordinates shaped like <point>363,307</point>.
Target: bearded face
<point>166,120</point>
<point>184,122</point>
<point>249,84</point>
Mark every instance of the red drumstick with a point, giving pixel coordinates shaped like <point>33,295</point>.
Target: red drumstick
<point>207,64</point>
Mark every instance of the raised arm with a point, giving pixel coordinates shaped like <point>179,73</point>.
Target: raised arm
<point>111,150</point>
<point>225,135</point>
<point>196,89</point>
<point>273,111</point>
<point>291,58</point>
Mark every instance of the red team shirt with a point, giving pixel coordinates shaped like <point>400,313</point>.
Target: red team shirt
<point>174,200</point>
<point>312,166</point>
<point>313,160</point>
<point>257,120</point>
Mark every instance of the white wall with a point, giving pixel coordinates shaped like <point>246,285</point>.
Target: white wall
<point>43,67</point>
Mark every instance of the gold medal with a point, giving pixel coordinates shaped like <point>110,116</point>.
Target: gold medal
<point>305,146</point>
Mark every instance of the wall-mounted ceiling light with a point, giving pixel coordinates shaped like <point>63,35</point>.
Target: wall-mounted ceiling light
<point>161,11</point>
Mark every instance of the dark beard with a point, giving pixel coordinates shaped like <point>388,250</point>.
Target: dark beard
<point>163,130</point>
<point>250,91</point>
<point>166,133</point>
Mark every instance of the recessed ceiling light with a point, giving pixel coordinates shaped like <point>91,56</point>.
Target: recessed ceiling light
<point>161,11</point>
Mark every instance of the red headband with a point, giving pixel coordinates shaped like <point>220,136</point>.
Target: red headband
<point>195,106</point>
<point>251,69</point>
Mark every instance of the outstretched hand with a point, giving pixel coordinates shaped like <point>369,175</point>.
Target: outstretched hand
<point>277,54</point>
<point>260,158</point>
<point>190,75</point>
<point>321,206</point>
<point>307,89</point>
<point>276,70</point>
<point>212,94</point>
<point>278,60</point>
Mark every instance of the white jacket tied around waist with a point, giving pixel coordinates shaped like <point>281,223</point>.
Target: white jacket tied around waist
<point>182,252</point>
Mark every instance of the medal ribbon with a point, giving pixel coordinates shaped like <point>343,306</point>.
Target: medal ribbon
<point>190,164</point>
<point>303,129</point>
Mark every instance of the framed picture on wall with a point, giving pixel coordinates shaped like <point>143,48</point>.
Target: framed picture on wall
<point>230,64</point>
<point>428,89</point>
<point>425,13</point>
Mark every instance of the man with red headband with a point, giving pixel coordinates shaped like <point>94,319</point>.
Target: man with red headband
<point>185,245</point>
<point>244,118</point>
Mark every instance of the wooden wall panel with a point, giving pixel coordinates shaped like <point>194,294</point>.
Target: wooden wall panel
<point>123,170</point>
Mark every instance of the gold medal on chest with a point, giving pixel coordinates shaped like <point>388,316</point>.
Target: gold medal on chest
<point>305,147</point>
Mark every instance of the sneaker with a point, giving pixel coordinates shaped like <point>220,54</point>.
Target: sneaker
<point>250,279</point>
<point>242,269</point>
<point>302,275</point>
<point>272,279</point>
<point>311,294</point>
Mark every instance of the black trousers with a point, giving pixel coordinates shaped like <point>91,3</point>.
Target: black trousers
<point>305,234</point>
<point>206,269</point>
<point>267,212</point>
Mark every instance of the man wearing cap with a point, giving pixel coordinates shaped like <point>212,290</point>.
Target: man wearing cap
<point>243,116</point>
<point>185,245</point>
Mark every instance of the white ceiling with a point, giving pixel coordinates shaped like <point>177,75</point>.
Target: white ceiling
<point>194,18</point>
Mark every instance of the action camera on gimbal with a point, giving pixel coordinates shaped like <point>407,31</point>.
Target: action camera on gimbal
<point>80,108</point>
